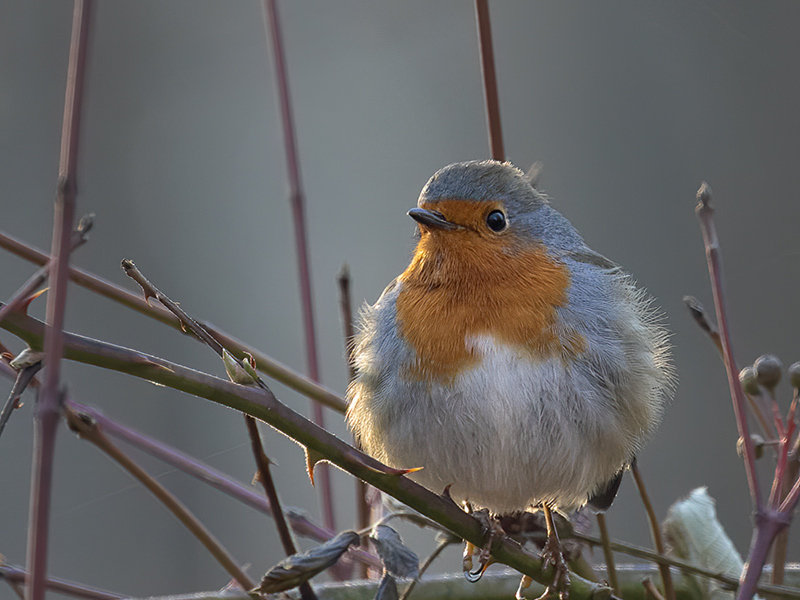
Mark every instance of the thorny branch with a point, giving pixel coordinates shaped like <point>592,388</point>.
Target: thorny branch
<point>263,405</point>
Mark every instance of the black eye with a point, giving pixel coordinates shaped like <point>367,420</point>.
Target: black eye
<point>496,221</point>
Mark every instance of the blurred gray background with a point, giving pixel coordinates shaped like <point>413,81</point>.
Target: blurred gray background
<point>628,104</point>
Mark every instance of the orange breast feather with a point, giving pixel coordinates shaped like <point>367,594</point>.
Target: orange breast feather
<point>462,284</point>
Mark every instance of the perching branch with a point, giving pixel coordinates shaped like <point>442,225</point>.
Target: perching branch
<point>263,405</point>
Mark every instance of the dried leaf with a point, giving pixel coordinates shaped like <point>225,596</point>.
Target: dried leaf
<point>696,535</point>
<point>387,590</point>
<point>297,568</point>
<point>312,458</point>
<point>238,371</point>
<point>398,558</point>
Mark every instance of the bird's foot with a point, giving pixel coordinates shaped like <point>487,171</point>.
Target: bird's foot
<point>493,530</point>
<point>553,556</point>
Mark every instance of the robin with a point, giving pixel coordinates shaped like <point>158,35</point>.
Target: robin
<point>518,367</point>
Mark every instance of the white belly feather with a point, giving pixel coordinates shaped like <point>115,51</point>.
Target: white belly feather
<point>506,434</point>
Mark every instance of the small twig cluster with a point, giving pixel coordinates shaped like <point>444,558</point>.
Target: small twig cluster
<point>747,390</point>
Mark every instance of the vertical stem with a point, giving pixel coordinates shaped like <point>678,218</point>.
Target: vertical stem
<point>607,553</point>
<point>658,542</point>
<point>345,305</point>
<point>297,200</point>
<point>704,213</point>
<point>489,79</point>
<point>767,527</point>
<point>264,475</point>
<point>48,405</point>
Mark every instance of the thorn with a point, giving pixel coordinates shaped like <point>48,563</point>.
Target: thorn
<point>391,470</point>
<point>23,307</point>
<point>312,458</point>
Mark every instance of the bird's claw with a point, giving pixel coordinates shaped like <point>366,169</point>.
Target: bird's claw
<point>553,556</point>
<point>484,560</point>
<point>493,529</point>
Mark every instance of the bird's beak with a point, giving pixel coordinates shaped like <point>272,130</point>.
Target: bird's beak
<point>431,218</point>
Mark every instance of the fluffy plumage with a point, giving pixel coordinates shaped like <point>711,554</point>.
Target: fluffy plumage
<point>519,367</point>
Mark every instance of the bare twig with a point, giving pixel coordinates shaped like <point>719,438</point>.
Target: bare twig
<point>87,429</point>
<point>18,576</point>
<point>701,318</point>
<point>187,322</point>
<point>297,200</point>
<point>24,377</point>
<point>704,322</point>
<point>346,311</point>
<point>266,364</point>
<point>79,237</point>
<point>651,590</point>
<point>255,439</point>
<point>655,531</point>
<point>263,405</point>
<point>301,525</point>
<point>607,553</point>
<point>265,477</point>
<point>48,405</point>
<point>489,80</point>
<point>345,305</point>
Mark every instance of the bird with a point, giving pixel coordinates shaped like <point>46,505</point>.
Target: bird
<point>511,364</point>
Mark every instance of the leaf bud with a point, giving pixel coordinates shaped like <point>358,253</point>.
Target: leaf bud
<point>749,381</point>
<point>768,370</point>
<point>758,446</point>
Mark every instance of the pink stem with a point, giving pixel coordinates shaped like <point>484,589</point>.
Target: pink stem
<point>48,406</point>
<point>297,199</point>
<point>704,212</point>
<point>768,525</point>
<point>489,79</point>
